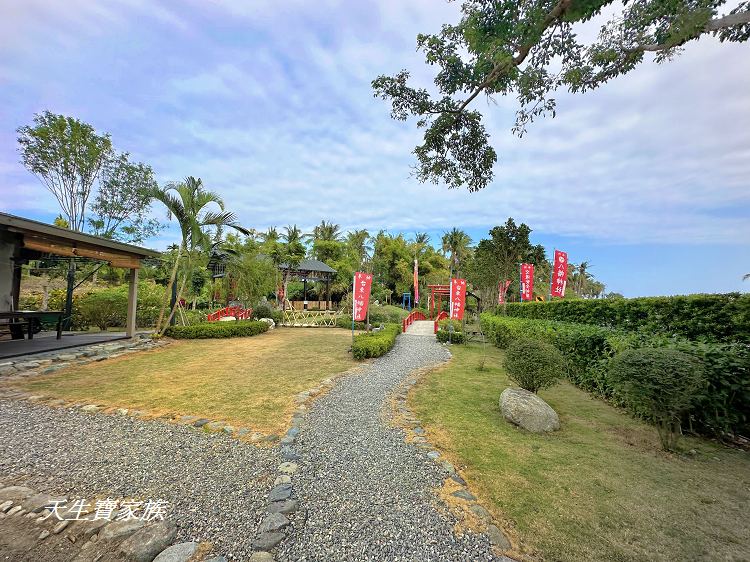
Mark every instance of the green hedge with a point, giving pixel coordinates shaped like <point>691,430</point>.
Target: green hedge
<point>346,323</point>
<point>723,407</point>
<point>456,337</point>
<point>720,317</point>
<point>375,344</point>
<point>234,329</point>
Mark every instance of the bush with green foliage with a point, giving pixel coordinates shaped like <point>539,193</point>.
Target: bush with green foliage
<point>387,313</point>
<point>718,317</point>
<point>264,310</point>
<point>534,364</point>
<point>346,323</point>
<point>234,329</point>
<point>105,307</point>
<point>722,408</point>
<point>375,344</point>
<point>660,385</point>
<point>444,336</point>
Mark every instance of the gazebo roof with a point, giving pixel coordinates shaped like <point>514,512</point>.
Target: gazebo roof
<point>316,266</point>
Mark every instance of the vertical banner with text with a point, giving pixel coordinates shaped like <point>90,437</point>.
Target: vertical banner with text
<point>361,300</point>
<point>416,282</point>
<point>458,298</point>
<point>502,291</point>
<point>559,274</point>
<point>527,281</point>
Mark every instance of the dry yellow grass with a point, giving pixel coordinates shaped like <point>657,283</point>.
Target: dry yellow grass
<point>246,382</point>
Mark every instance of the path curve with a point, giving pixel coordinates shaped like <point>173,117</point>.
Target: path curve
<point>368,494</point>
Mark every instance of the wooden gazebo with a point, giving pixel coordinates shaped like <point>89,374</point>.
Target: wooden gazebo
<point>311,270</point>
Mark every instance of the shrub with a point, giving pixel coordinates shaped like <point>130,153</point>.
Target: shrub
<point>534,365</point>
<point>444,335</point>
<point>375,344</point>
<point>238,328</point>
<point>720,317</point>
<point>658,384</point>
<point>346,323</point>
<point>105,307</point>
<point>723,406</point>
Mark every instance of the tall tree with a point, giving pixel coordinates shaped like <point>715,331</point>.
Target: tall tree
<point>290,253</point>
<point>190,204</point>
<point>530,50</point>
<point>456,243</point>
<point>497,258</point>
<point>120,208</point>
<point>360,244</point>
<point>66,155</point>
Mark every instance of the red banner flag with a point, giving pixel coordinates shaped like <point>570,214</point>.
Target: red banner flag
<point>559,274</point>
<point>362,285</point>
<point>458,298</point>
<point>527,281</point>
<point>502,291</point>
<point>416,282</point>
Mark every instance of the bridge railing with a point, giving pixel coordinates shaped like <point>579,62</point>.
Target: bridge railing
<point>414,315</point>
<point>442,316</point>
<point>236,311</point>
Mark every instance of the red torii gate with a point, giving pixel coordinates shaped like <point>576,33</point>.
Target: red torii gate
<point>438,290</point>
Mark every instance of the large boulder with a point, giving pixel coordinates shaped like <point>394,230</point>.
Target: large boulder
<point>525,409</point>
<point>270,322</point>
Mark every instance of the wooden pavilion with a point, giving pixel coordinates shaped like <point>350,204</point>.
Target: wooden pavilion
<point>311,270</point>
<point>23,239</point>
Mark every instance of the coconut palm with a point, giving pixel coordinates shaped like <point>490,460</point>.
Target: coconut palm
<point>360,244</point>
<point>456,244</point>
<point>191,205</point>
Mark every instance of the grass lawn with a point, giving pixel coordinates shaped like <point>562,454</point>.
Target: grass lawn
<point>244,381</point>
<point>598,489</point>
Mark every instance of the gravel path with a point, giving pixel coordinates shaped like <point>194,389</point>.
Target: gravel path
<point>216,485</point>
<point>368,493</point>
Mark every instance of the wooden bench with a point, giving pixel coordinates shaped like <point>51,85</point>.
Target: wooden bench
<point>15,329</point>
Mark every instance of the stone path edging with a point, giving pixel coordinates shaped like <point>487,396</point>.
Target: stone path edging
<point>456,493</point>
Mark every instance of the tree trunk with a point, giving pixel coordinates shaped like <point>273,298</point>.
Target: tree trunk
<point>168,291</point>
<point>45,297</point>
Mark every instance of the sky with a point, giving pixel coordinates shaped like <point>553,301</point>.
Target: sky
<point>270,104</point>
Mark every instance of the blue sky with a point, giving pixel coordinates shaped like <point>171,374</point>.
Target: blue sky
<point>648,178</point>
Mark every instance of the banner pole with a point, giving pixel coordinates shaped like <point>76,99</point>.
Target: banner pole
<point>520,281</point>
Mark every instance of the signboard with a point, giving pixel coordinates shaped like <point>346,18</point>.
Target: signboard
<point>458,298</point>
<point>559,274</point>
<point>362,286</point>
<point>502,291</point>
<point>527,281</point>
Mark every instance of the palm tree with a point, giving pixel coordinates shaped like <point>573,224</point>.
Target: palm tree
<point>360,243</point>
<point>746,277</point>
<point>189,203</point>
<point>456,243</point>
<point>290,253</point>
<point>326,231</point>
<point>583,276</point>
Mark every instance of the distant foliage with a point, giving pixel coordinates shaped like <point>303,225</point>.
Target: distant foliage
<point>534,364</point>
<point>238,328</point>
<point>722,407</point>
<point>721,317</point>
<point>660,385</point>
<point>375,344</point>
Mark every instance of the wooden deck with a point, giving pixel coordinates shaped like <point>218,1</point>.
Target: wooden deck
<point>46,341</point>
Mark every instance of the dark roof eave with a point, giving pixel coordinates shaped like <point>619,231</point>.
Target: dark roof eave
<point>66,234</point>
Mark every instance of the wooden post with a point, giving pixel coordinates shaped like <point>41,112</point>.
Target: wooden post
<point>132,303</point>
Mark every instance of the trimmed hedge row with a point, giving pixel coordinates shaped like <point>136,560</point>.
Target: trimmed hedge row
<point>239,328</point>
<point>346,323</point>
<point>375,344</point>
<point>443,336</point>
<point>722,407</point>
<point>719,317</point>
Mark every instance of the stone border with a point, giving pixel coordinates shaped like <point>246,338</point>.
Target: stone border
<point>133,538</point>
<point>51,361</point>
<point>455,491</point>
